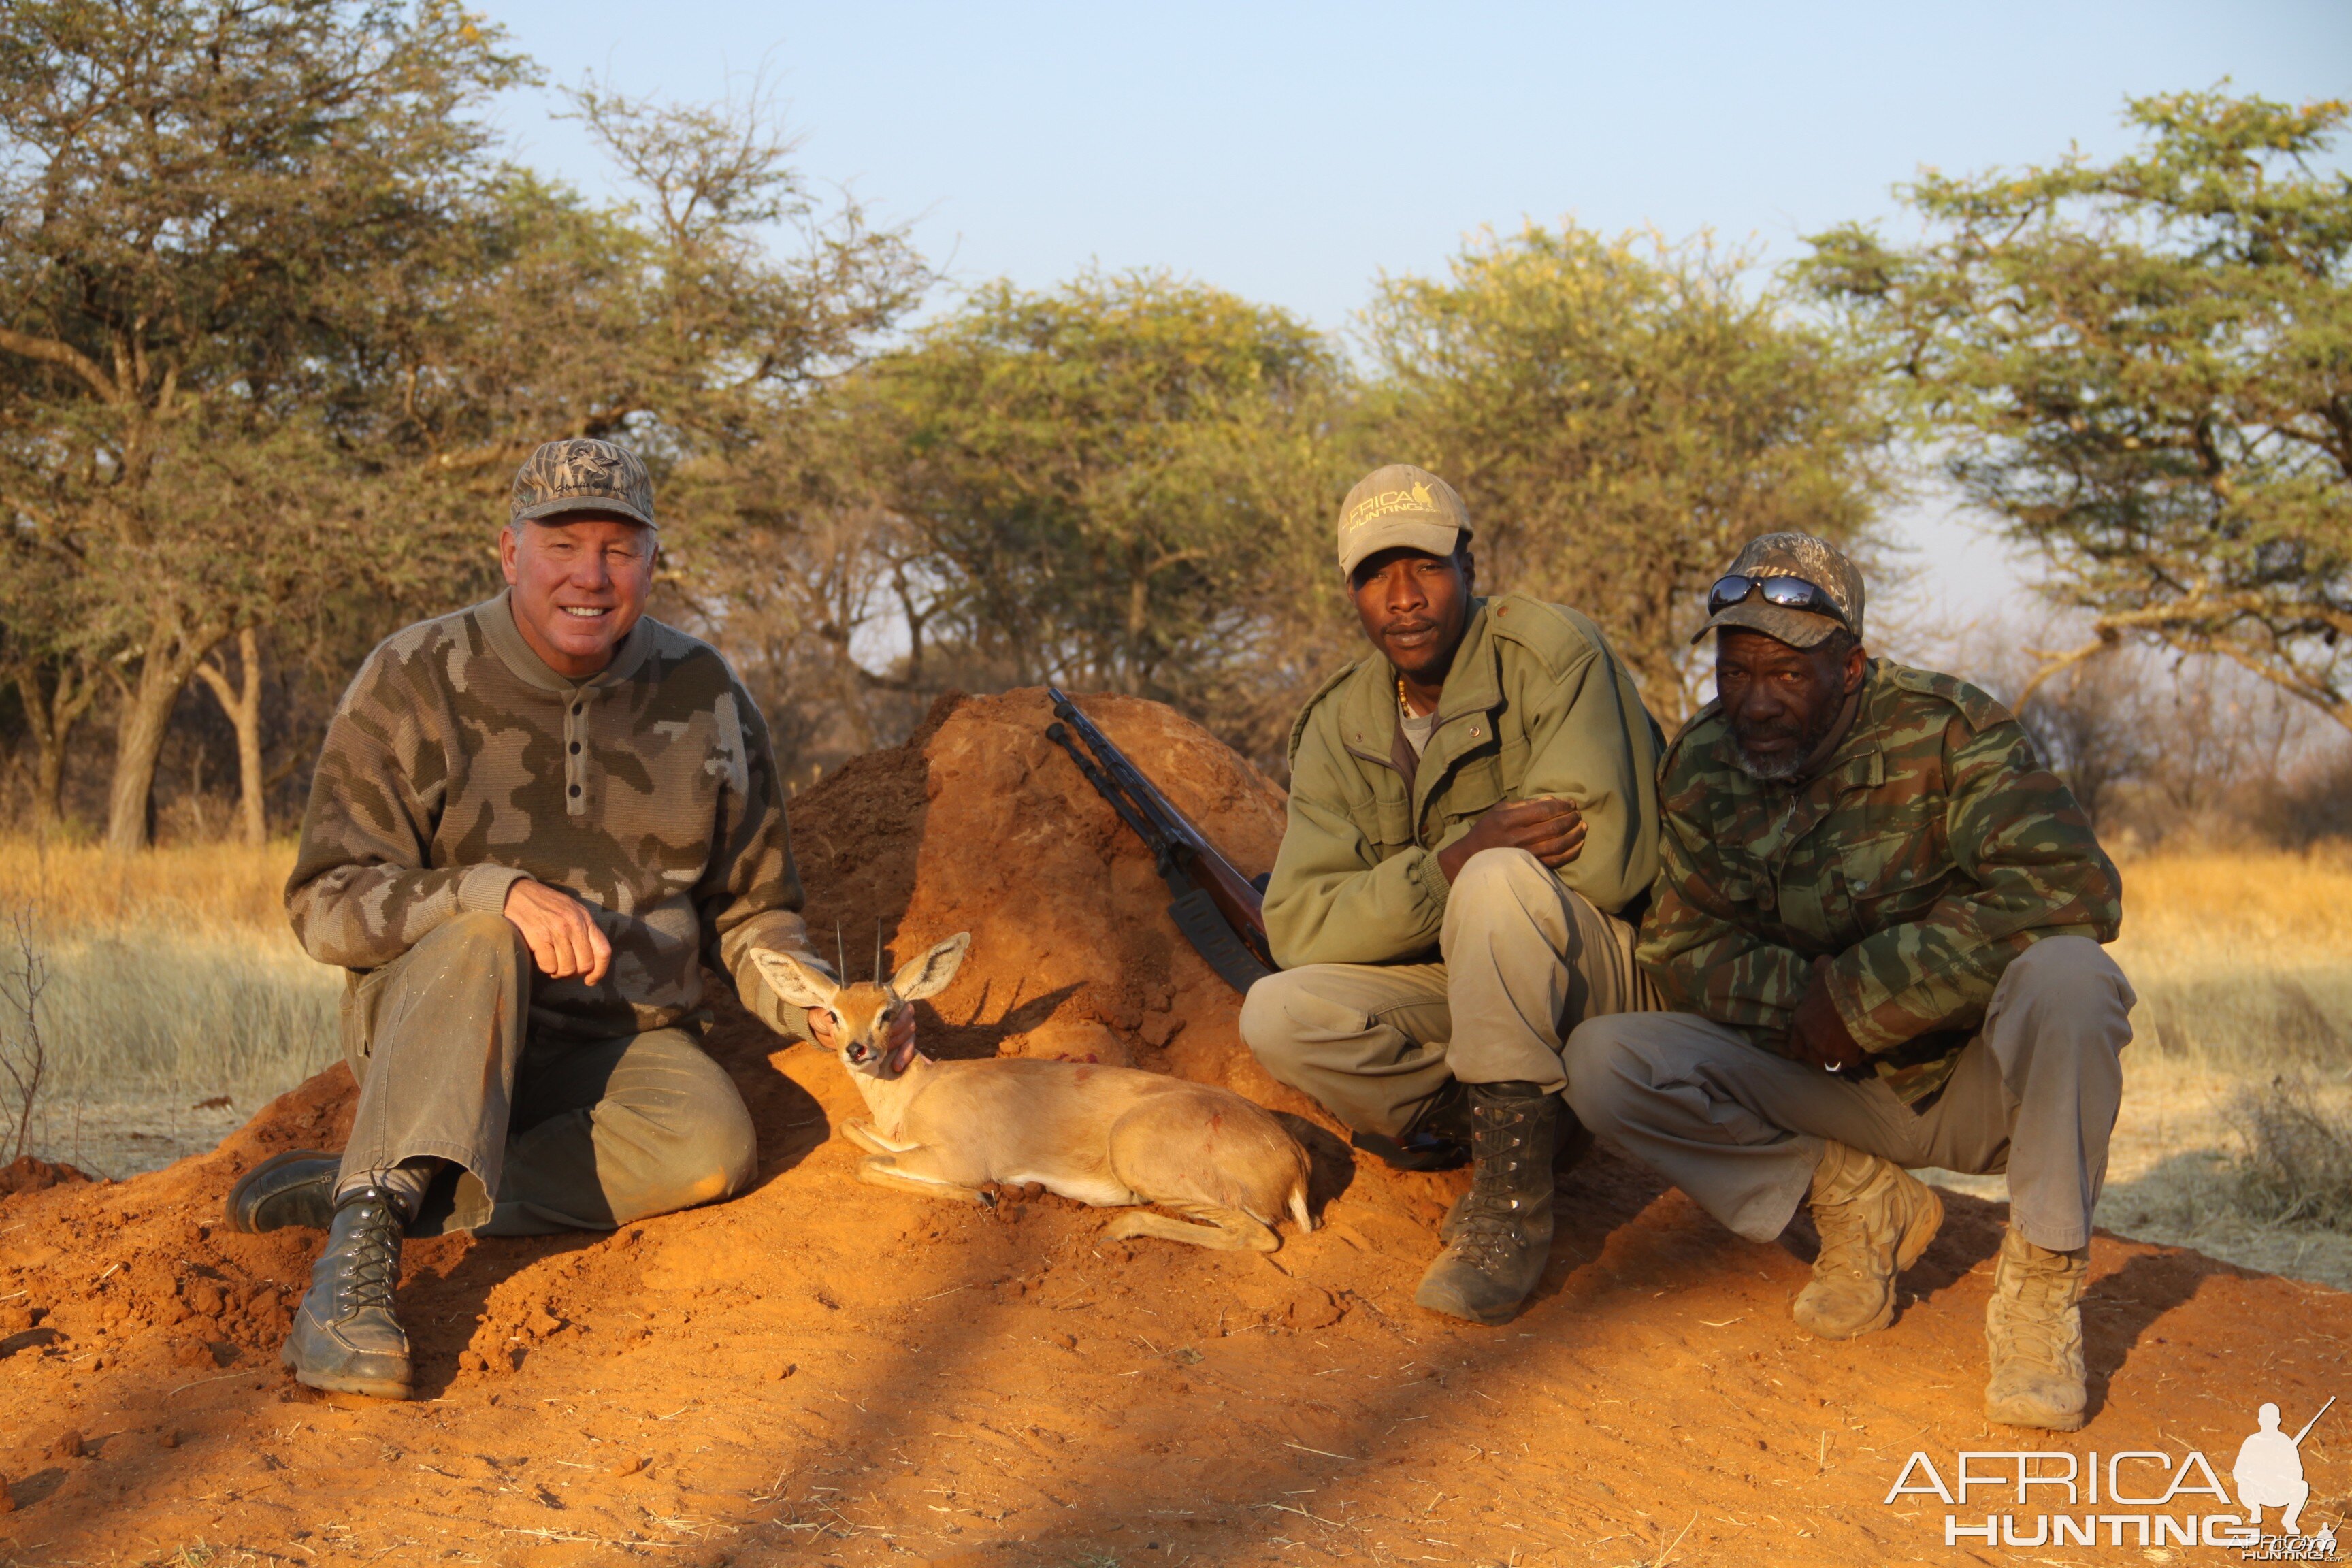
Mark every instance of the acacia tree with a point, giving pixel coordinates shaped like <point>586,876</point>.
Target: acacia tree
<point>687,322</point>
<point>201,199</point>
<point>1079,467</point>
<point>1619,415</point>
<point>275,330</point>
<point>2144,370</point>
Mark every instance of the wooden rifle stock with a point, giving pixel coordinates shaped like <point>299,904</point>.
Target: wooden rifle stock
<point>1193,865</point>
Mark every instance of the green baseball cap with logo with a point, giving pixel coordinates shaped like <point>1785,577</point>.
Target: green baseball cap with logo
<point>1805,558</point>
<point>582,478</point>
<point>1399,505</point>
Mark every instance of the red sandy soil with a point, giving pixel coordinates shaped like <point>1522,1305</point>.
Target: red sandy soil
<point>825,1370</point>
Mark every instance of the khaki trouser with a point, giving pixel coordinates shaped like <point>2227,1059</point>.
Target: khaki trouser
<point>1740,1129</point>
<point>1522,961</point>
<point>570,1137</point>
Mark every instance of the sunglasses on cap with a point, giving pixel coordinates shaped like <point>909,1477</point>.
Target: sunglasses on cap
<point>1789,593</point>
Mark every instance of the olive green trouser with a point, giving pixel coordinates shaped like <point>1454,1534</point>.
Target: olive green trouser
<point>2035,1094</point>
<point>539,1138</point>
<point>1522,961</point>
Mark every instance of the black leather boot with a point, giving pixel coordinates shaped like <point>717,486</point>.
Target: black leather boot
<point>1501,1229</point>
<point>1437,1139</point>
<point>296,1188</point>
<point>345,1339</point>
<point>1569,1146</point>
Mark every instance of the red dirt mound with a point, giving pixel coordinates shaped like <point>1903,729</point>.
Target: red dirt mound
<point>824,1370</point>
<point>980,824</point>
<point>26,1174</point>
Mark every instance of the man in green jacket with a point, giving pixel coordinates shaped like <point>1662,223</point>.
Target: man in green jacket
<point>1878,922</point>
<point>1472,810</point>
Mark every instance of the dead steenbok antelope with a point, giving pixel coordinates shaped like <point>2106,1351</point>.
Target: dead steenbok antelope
<point>1101,1135</point>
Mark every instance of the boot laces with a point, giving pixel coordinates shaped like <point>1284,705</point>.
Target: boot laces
<point>1488,1242</point>
<point>1492,1233</point>
<point>1500,1144</point>
<point>2040,1318</point>
<point>1845,1239</point>
<point>372,1266</point>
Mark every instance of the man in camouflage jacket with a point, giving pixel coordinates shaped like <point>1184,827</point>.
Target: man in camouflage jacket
<point>1878,918</point>
<point>535,823</point>
<point>1470,816</point>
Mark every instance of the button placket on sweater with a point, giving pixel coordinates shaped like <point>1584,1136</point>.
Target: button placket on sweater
<point>576,751</point>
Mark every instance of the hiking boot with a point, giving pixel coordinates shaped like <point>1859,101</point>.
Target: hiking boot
<point>1502,1236</point>
<point>2033,1336</point>
<point>1875,1219</point>
<point>296,1188</point>
<point>345,1339</point>
<point>1437,1139</point>
<point>1573,1142</point>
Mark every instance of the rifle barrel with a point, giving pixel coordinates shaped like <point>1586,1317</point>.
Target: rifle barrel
<point>1166,831</point>
<point>1173,824</point>
<point>2314,1420</point>
<point>1110,790</point>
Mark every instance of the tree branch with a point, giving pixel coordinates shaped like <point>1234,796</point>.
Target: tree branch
<point>50,351</point>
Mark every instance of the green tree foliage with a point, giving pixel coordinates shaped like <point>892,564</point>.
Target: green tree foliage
<point>1090,473</point>
<point>276,326</point>
<point>198,203</point>
<point>2144,368</point>
<point>1621,415</point>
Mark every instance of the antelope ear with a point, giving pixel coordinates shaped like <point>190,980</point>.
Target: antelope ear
<point>929,975</point>
<point>798,982</point>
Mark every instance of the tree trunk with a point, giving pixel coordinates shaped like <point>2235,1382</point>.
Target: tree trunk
<point>170,659</point>
<point>52,715</point>
<point>242,703</point>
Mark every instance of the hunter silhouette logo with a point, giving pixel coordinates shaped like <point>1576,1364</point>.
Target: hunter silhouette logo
<point>2131,1497</point>
<point>2268,1471</point>
<point>1385,503</point>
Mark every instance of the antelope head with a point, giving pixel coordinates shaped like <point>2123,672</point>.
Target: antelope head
<point>860,1016</point>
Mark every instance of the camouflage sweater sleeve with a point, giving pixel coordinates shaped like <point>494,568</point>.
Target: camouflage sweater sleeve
<point>364,890</point>
<point>1695,945</point>
<point>2028,865</point>
<point>750,897</point>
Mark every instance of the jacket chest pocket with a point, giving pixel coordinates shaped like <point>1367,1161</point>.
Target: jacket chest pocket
<point>1391,816</point>
<point>1476,785</point>
<point>1887,880</point>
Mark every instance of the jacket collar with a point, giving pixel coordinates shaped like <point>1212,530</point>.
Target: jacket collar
<point>505,639</point>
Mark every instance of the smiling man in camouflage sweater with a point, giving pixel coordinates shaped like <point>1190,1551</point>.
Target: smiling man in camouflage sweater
<point>1878,918</point>
<point>535,823</point>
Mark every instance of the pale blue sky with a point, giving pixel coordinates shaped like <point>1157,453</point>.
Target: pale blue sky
<point>1292,152</point>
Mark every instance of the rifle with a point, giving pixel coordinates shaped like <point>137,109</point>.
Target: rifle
<point>1221,912</point>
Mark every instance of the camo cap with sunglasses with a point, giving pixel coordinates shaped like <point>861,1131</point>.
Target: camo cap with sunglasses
<point>1789,586</point>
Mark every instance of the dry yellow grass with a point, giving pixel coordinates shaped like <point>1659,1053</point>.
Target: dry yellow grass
<point>216,888</point>
<point>167,979</point>
<point>2243,961</point>
<point>2217,909</point>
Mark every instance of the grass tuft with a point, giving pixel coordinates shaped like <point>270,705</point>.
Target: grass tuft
<point>2297,1168</point>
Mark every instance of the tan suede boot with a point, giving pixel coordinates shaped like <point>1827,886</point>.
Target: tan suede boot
<point>1875,1219</point>
<point>2033,1336</point>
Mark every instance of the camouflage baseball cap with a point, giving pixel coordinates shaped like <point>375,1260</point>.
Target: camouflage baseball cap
<point>582,477</point>
<point>1801,556</point>
<point>1399,505</point>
